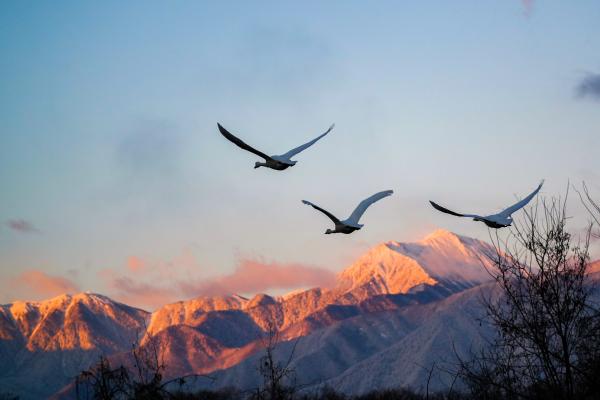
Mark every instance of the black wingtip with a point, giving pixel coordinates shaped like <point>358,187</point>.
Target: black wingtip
<point>437,206</point>
<point>224,131</point>
<point>445,210</point>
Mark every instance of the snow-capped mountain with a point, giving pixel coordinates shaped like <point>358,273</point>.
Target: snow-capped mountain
<point>441,258</point>
<point>384,297</point>
<point>392,348</point>
<point>45,344</point>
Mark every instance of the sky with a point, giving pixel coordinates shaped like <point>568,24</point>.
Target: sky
<point>114,178</point>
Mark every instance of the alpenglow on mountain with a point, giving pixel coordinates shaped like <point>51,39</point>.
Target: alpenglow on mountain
<point>400,299</point>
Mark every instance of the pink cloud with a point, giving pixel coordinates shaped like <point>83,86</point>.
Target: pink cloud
<point>141,294</point>
<point>44,285</point>
<point>253,276</point>
<point>135,264</point>
<point>527,7</point>
<point>153,289</point>
<point>22,226</point>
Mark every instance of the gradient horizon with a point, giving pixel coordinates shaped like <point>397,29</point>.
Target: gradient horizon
<point>115,179</point>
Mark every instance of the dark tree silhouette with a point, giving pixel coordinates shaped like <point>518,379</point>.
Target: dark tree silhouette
<point>279,378</point>
<point>593,208</point>
<point>102,382</point>
<point>144,381</point>
<point>548,342</point>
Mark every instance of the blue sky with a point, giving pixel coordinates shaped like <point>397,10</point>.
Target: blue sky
<point>109,147</point>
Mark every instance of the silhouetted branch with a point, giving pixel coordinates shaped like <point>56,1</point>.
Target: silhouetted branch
<point>547,326</point>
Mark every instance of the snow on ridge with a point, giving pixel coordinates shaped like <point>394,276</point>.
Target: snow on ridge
<point>397,267</point>
<point>448,256</point>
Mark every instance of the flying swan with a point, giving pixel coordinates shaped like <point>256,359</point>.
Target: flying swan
<point>351,224</point>
<point>500,220</point>
<point>278,162</point>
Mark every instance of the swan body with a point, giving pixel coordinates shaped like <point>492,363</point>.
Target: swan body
<point>502,219</point>
<point>276,162</point>
<point>350,224</point>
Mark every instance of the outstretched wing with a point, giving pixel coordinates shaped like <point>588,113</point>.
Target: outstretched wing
<point>239,143</point>
<point>362,207</point>
<point>508,212</point>
<point>305,146</point>
<point>445,210</point>
<point>316,207</point>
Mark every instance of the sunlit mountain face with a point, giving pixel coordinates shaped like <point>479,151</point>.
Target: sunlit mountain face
<point>397,306</point>
<point>398,298</point>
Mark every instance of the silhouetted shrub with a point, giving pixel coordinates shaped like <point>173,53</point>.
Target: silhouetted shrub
<point>222,394</point>
<point>279,378</point>
<point>548,342</point>
<point>144,382</point>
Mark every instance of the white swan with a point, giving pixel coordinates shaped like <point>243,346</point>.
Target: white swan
<point>500,220</point>
<point>278,162</point>
<point>351,224</point>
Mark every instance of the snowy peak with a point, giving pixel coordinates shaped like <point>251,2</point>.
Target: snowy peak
<point>81,321</point>
<point>260,299</point>
<point>449,257</point>
<point>188,312</point>
<point>66,333</point>
<point>388,268</point>
<point>382,270</point>
<point>440,258</point>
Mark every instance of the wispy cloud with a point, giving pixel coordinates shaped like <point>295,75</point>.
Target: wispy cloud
<point>279,60</point>
<point>41,284</point>
<point>140,294</point>
<point>152,149</point>
<point>589,87</point>
<point>527,7</point>
<point>252,276</point>
<point>22,226</point>
<point>149,287</point>
<point>135,264</point>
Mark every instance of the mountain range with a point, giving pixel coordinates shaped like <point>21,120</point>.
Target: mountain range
<point>392,314</point>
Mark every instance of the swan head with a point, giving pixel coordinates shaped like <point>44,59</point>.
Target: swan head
<point>328,231</point>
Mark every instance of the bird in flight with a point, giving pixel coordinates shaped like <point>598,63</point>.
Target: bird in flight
<point>350,224</point>
<point>278,162</point>
<point>500,220</point>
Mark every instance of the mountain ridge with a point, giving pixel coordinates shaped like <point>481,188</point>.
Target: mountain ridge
<point>206,334</point>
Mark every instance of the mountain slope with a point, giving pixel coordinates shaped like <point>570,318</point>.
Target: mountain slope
<point>377,350</point>
<point>367,312</point>
<point>441,258</point>
<point>442,330</point>
<point>389,277</point>
<point>45,344</point>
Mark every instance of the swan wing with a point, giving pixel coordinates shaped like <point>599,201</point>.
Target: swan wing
<point>305,146</point>
<point>241,144</point>
<point>316,207</point>
<point>445,210</point>
<point>363,205</point>
<point>517,206</point>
